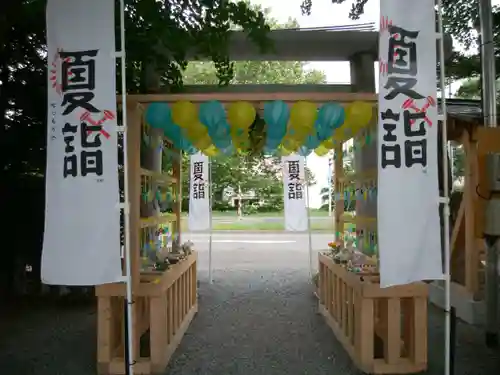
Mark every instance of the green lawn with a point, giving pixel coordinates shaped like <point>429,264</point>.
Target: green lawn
<point>313,213</point>
<point>323,225</point>
<point>319,226</point>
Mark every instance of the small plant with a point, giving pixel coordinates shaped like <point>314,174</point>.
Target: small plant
<point>315,279</point>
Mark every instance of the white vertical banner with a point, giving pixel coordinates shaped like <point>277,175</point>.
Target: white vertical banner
<point>408,191</point>
<point>199,193</point>
<point>81,243</point>
<point>294,190</point>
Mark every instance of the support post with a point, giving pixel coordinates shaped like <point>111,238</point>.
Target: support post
<point>339,190</point>
<point>365,156</point>
<point>330,167</point>
<point>492,225</point>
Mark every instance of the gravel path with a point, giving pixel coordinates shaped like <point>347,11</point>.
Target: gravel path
<point>259,322</point>
<point>258,317</point>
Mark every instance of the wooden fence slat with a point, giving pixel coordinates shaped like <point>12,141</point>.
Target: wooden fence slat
<point>362,314</point>
<point>164,314</point>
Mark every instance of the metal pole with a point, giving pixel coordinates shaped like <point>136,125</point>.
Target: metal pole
<point>210,239</point>
<point>309,234</point>
<point>492,225</point>
<point>445,199</point>
<point>453,339</point>
<point>129,326</point>
<point>330,162</point>
<point>451,152</point>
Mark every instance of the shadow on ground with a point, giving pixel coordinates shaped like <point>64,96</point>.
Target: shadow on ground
<point>251,322</point>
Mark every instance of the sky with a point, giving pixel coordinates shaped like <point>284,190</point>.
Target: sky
<point>324,13</point>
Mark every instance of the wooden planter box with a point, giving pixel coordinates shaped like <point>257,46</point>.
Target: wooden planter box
<point>364,318</point>
<point>164,305</point>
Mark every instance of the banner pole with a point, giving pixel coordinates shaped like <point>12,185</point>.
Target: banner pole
<point>445,197</point>
<point>330,174</point>
<point>129,297</point>
<point>308,223</point>
<point>210,273</point>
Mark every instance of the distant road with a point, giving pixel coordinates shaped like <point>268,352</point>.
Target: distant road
<point>254,219</point>
<point>229,249</point>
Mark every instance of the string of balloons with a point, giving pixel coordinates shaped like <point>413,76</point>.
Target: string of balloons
<point>300,128</point>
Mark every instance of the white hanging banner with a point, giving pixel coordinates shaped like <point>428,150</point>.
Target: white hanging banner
<point>294,191</point>
<point>81,243</point>
<point>408,192</point>
<point>199,193</point>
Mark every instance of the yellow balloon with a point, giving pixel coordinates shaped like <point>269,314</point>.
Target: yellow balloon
<point>196,128</point>
<point>202,143</point>
<point>238,132</point>
<point>358,115</point>
<point>328,143</point>
<point>342,134</point>
<point>195,131</point>
<point>290,144</point>
<point>211,151</point>
<point>184,113</point>
<point>241,142</point>
<point>297,134</point>
<point>321,150</point>
<point>241,114</point>
<point>283,151</point>
<point>303,115</point>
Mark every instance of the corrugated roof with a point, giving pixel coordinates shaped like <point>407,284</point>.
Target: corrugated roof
<point>465,109</point>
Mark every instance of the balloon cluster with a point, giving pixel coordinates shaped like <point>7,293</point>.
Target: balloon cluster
<point>303,128</point>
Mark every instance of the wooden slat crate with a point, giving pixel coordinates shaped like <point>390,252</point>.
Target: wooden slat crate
<point>364,319</point>
<point>164,306</point>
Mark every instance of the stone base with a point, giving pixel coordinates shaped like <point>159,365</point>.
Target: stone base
<point>468,310</point>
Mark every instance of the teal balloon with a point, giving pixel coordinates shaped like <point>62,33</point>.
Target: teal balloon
<point>174,133</point>
<point>187,147</point>
<point>159,115</point>
<point>191,150</point>
<point>228,150</point>
<point>304,151</point>
<point>272,143</point>
<point>312,141</point>
<point>269,151</point>
<point>211,114</point>
<point>331,116</point>
<point>276,116</point>
<point>220,135</point>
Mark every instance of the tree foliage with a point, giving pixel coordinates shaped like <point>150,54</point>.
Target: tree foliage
<point>252,173</point>
<point>245,174</point>
<point>158,34</point>
<point>460,18</point>
<point>257,72</point>
<point>470,89</point>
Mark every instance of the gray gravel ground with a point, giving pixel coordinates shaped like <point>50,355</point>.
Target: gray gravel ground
<point>259,317</point>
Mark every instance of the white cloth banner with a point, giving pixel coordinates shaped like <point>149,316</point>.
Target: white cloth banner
<point>409,233</point>
<point>199,193</point>
<point>81,244</point>
<point>294,190</point>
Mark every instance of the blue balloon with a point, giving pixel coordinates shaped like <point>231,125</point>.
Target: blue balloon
<point>269,151</point>
<point>191,150</point>
<point>174,133</point>
<point>228,150</point>
<point>312,141</point>
<point>304,151</point>
<point>159,115</point>
<point>272,143</point>
<point>221,143</point>
<point>220,135</point>
<point>211,114</point>
<point>186,146</point>
<point>276,116</point>
<point>331,116</point>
